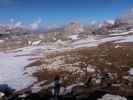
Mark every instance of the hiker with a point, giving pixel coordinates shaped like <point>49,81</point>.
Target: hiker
<point>57,86</point>
<point>88,83</point>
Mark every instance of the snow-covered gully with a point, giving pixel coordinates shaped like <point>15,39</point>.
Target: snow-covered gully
<point>12,71</point>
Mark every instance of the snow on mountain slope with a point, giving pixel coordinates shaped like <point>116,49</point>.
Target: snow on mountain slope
<point>121,33</point>
<point>12,70</point>
<point>126,39</point>
<point>96,40</point>
<point>12,66</point>
<point>12,63</point>
<point>74,37</point>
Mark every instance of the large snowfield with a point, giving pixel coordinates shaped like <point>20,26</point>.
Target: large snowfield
<point>12,71</point>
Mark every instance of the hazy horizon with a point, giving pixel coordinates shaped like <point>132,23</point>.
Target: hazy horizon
<point>51,13</point>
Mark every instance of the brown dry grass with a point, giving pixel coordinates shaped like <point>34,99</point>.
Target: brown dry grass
<point>106,58</point>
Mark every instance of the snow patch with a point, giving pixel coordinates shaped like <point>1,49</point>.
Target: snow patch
<point>126,39</point>
<point>1,41</point>
<point>74,37</point>
<point>112,97</point>
<point>130,71</point>
<point>37,87</point>
<point>35,43</point>
<point>122,33</point>
<point>90,69</point>
<point>1,95</point>
<point>70,87</point>
<point>12,71</point>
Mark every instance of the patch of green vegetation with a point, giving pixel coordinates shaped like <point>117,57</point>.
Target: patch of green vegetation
<point>130,66</point>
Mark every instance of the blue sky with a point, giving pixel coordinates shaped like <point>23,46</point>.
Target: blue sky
<point>62,11</point>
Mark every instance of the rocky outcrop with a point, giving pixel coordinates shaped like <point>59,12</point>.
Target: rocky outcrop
<point>74,27</point>
<point>5,29</point>
<point>125,20</point>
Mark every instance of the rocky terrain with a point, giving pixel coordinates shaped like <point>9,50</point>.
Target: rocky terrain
<point>101,52</point>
